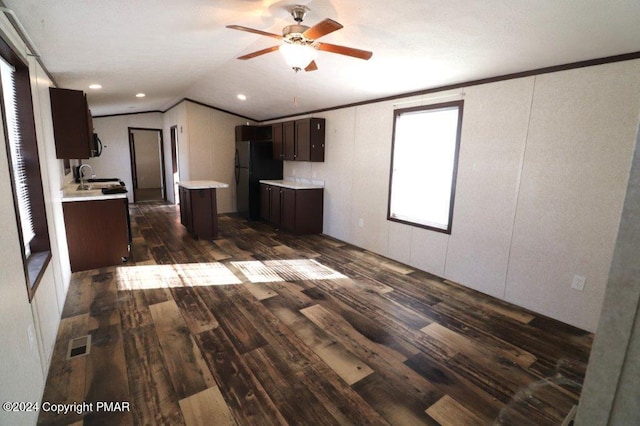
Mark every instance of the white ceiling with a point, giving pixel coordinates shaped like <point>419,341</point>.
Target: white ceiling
<point>172,49</point>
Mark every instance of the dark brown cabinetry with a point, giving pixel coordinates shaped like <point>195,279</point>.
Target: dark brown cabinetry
<point>289,140</point>
<point>309,137</point>
<point>251,133</point>
<point>295,210</point>
<point>278,141</point>
<point>185,208</point>
<point>72,124</point>
<point>271,204</point>
<point>97,233</point>
<point>199,212</point>
<point>299,140</point>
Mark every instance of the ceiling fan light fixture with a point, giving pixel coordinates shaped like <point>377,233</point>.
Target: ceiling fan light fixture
<point>298,55</point>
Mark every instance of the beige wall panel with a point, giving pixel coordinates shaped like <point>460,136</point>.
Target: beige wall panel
<point>211,147</point>
<point>371,161</point>
<point>337,172</point>
<point>48,317</point>
<point>176,116</point>
<point>577,160</point>
<point>494,131</point>
<point>428,250</point>
<point>53,180</point>
<point>20,364</point>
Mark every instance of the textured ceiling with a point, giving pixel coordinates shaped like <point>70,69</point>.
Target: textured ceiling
<point>176,49</point>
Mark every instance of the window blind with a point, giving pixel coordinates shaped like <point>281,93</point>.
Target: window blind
<point>17,161</point>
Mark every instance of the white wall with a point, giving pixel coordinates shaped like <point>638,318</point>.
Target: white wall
<point>25,360</point>
<point>541,178</point>
<point>115,160</point>
<point>206,147</point>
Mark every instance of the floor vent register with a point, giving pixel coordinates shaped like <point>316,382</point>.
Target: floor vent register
<point>79,346</point>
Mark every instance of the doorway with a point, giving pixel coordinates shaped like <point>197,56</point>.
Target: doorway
<point>147,164</point>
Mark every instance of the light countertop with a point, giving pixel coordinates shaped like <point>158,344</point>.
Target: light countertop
<point>71,192</point>
<point>292,184</point>
<point>202,184</point>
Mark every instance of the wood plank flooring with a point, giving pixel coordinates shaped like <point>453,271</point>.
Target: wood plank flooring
<point>327,333</point>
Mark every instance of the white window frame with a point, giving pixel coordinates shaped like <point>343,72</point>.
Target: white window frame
<point>424,164</point>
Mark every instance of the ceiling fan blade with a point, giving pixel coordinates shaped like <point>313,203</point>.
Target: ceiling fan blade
<point>311,67</point>
<point>322,28</point>
<point>343,50</point>
<point>259,52</point>
<point>251,30</point>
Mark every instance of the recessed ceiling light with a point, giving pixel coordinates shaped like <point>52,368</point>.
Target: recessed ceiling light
<point>95,86</point>
<point>242,97</point>
<point>140,95</point>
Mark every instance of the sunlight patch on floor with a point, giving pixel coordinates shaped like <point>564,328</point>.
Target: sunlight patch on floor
<point>179,275</point>
<point>286,270</point>
<point>144,277</point>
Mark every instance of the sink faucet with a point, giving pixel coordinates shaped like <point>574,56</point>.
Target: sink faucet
<point>82,184</point>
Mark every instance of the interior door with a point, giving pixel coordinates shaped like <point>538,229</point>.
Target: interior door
<point>147,164</point>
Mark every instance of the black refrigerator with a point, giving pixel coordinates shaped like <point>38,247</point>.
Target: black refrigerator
<point>254,162</point>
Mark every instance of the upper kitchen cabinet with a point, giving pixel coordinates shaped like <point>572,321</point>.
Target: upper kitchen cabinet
<point>249,133</point>
<point>278,141</point>
<point>289,141</point>
<point>310,139</point>
<point>72,124</point>
<point>299,140</point>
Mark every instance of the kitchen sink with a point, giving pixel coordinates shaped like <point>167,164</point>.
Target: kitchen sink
<point>98,185</point>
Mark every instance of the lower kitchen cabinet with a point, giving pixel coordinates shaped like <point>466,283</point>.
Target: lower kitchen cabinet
<point>97,233</point>
<point>295,210</point>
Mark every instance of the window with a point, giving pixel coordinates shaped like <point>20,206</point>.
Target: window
<point>424,161</point>
<point>22,151</point>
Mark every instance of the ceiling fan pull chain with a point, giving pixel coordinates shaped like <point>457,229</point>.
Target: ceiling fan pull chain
<point>295,89</point>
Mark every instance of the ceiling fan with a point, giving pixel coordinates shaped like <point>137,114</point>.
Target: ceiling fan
<point>299,46</point>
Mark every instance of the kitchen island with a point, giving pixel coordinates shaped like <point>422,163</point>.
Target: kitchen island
<point>198,208</point>
<point>97,225</point>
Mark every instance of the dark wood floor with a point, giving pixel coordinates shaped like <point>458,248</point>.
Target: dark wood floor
<point>340,336</point>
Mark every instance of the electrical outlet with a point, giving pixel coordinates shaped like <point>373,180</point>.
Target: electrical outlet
<point>361,223</point>
<point>578,282</point>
